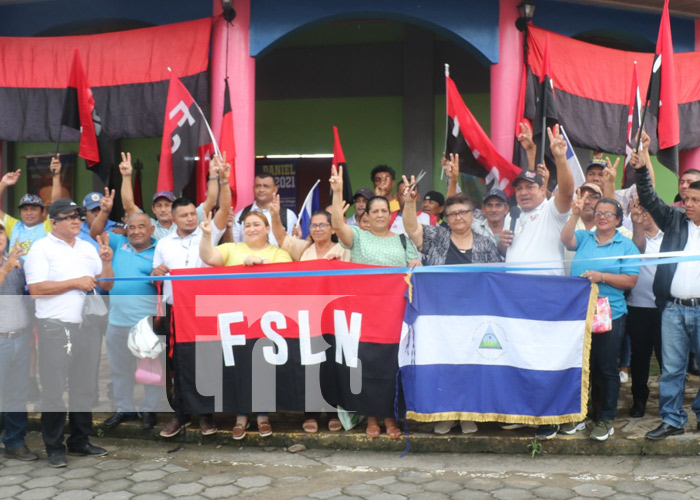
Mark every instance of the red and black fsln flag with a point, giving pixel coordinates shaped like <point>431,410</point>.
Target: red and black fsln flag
<point>661,96</point>
<point>477,154</point>
<point>546,112</point>
<point>79,113</point>
<point>339,161</point>
<point>184,133</point>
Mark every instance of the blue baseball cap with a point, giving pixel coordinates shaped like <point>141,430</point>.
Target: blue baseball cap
<point>164,194</point>
<point>92,200</point>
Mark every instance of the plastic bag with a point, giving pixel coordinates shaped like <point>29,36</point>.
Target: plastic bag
<point>602,320</point>
<point>150,372</point>
<point>143,342</point>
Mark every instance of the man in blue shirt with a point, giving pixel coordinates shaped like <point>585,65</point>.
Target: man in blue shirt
<point>130,302</point>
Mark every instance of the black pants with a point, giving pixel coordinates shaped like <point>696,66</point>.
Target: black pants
<point>182,413</point>
<point>644,328</point>
<point>74,371</point>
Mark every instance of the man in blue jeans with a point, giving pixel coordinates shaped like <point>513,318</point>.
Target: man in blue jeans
<point>677,291</point>
<point>14,351</point>
<point>130,302</point>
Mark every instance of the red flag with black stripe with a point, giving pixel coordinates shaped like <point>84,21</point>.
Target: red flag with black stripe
<point>661,96</point>
<point>339,161</point>
<point>477,154</point>
<point>227,143</point>
<point>184,133</point>
<point>79,112</point>
<point>288,342</point>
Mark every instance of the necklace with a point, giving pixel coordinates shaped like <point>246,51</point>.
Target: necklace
<point>187,248</point>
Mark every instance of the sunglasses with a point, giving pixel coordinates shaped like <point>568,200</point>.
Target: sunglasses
<point>75,216</point>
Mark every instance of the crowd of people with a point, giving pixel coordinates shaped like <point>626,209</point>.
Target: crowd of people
<point>52,261</point>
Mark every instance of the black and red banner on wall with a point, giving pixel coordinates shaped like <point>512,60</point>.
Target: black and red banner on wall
<point>127,72</point>
<point>592,85</point>
<point>288,343</point>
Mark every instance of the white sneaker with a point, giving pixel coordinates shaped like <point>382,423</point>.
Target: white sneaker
<point>444,427</point>
<point>468,427</point>
<point>624,377</point>
<point>572,428</point>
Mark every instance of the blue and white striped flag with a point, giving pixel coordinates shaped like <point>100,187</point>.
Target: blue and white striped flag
<point>497,347</point>
<point>312,203</point>
<point>572,161</point>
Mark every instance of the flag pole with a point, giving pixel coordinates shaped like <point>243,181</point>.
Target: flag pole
<point>447,74</point>
<point>58,142</point>
<point>543,140</point>
<point>307,199</point>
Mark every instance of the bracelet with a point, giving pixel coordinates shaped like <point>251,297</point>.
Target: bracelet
<point>213,178</point>
<point>223,182</point>
<point>54,174</point>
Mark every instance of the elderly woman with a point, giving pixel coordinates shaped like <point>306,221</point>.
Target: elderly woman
<point>323,244</point>
<point>455,244</point>
<point>377,246</point>
<point>612,280</point>
<point>256,249</point>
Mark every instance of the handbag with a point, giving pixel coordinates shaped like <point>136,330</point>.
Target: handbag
<point>602,320</point>
<point>94,305</point>
<point>149,372</point>
<point>143,342</point>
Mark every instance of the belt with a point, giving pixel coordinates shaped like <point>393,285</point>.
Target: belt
<point>11,335</point>
<point>686,302</point>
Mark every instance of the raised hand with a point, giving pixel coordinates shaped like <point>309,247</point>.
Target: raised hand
<point>55,165</point>
<point>610,171</point>
<point>205,225</point>
<point>578,203</point>
<point>408,193</point>
<point>105,250</point>
<point>636,210</point>
<point>12,261</point>
<point>275,206</point>
<point>125,167</point>
<point>451,166</point>
<point>107,201</point>
<point>11,178</point>
<point>544,173</point>
<point>224,168</point>
<point>557,144</point>
<point>525,137</point>
<point>346,207</point>
<point>336,180</point>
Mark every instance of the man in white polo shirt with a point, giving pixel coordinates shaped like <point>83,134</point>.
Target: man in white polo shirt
<point>178,250</point>
<point>60,270</point>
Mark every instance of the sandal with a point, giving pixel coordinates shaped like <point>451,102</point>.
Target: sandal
<point>334,425</point>
<point>264,428</point>
<point>392,430</point>
<point>310,426</point>
<point>239,430</point>
<point>373,429</point>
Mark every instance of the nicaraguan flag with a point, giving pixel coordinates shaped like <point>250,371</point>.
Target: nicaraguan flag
<point>497,347</point>
<point>312,203</point>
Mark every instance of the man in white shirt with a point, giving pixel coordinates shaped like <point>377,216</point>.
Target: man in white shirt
<point>179,250</point>
<point>60,269</point>
<point>264,191</point>
<point>537,232</point>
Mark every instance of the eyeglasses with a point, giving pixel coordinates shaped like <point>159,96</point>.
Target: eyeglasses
<point>607,215</point>
<point>459,213</point>
<point>71,217</point>
<point>323,225</point>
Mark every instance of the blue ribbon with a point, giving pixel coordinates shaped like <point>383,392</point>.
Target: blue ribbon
<point>461,268</point>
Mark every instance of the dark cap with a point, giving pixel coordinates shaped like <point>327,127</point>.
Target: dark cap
<point>62,206</point>
<point>164,194</point>
<point>92,200</point>
<point>496,193</point>
<point>597,162</point>
<point>529,176</point>
<point>434,196</point>
<point>31,199</point>
<point>363,192</point>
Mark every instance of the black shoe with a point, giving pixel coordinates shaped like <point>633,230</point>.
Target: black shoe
<point>638,409</point>
<point>87,450</point>
<point>663,431</point>
<point>546,431</point>
<point>118,418</point>
<point>58,460</point>
<point>148,420</point>
<point>21,453</point>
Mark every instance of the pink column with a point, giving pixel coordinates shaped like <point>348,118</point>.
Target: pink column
<point>505,79</point>
<point>691,158</point>
<point>241,71</point>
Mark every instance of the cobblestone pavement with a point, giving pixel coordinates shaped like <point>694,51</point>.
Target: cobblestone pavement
<point>138,470</point>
